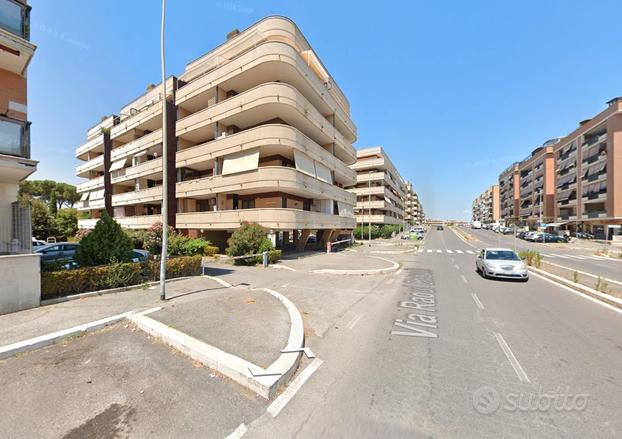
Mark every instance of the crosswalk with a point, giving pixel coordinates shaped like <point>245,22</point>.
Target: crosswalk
<point>545,255</point>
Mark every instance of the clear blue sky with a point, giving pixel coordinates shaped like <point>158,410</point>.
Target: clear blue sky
<point>454,90</point>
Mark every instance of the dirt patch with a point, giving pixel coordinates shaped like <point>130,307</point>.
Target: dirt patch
<point>112,423</point>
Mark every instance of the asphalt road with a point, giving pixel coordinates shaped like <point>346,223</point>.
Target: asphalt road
<point>479,358</point>
<point>566,255</point>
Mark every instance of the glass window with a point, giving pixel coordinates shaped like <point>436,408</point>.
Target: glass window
<point>502,255</point>
<point>10,138</point>
<point>11,17</point>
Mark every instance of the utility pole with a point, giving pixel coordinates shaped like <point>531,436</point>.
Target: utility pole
<point>369,195</point>
<point>164,165</point>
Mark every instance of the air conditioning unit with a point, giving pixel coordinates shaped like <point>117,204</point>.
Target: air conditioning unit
<point>133,111</point>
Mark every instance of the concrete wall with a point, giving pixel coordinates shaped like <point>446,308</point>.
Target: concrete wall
<point>21,282</point>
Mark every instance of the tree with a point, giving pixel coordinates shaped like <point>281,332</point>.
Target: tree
<point>153,242</point>
<point>66,222</point>
<point>107,243</point>
<point>66,194</point>
<point>52,203</point>
<point>42,222</point>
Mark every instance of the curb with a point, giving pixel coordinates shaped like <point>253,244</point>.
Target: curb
<point>595,294</point>
<point>55,337</point>
<point>70,297</point>
<point>264,382</point>
<point>391,269</point>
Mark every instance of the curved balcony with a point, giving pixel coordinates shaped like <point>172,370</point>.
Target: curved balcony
<point>270,218</point>
<point>136,146</point>
<point>144,120</point>
<point>269,100</point>
<point>274,60</point>
<point>265,179</point>
<point>149,195</point>
<point>273,28</point>
<point>97,164</point>
<point>145,169</point>
<point>95,144</point>
<point>273,137</point>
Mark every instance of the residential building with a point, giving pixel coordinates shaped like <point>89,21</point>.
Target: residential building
<point>589,175</point>
<point>379,189</point>
<point>509,194</point>
<point>412,205</point>
<point>17,265</point>
<point>258,131</point>
<point>486,207</point>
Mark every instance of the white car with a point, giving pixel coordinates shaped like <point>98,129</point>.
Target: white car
<point>501,263</point>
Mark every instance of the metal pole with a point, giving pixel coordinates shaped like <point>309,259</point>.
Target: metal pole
<point>164,165</point>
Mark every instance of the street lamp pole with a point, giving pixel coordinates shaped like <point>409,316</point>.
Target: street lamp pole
<point>369,200</point>
<point>164,165</point>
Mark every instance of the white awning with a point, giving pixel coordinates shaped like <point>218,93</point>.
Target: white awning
<point>323,173</point>
<point>557,224</point>
<point>118,164</point>
<point>97,195</point>
<point>240,162</point>
<point>304,164</point>
<point>85,196</point>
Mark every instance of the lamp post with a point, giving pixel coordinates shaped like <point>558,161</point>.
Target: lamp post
<point>164,165</point>
<point>369,200</point>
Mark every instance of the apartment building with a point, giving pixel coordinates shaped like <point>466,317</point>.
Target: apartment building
<point>412,205</point>
<point>509,194</point>
<point>18,268</point>
<point>588,194</point>
<point>379,189</point>
<point>258,131</point>
<point>486,207</point>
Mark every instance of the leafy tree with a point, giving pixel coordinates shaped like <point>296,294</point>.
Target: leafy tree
<point>52,203</point>
<point>66,194</point>
<point>107,243</point>
<point>66,222</point>
<point>246,240</point>
<point>43,224</point>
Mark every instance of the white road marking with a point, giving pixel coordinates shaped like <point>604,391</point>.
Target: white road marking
<point>284,267</point>
<point>279,403</point>
<point>448,251</point>
<point>470,252</point>
<point>456,265</point>
<point>352,323</point>
<point>560,256</point>
<point>420,250</point>
<point>398,272</point>
<point>464,279</point>
<point>479,304</point>
<point>577,257</point>
<point>547,256</point>
<point>459,251</point>
<point>429,251</point>
<point>439,251</point>
<point>238,432</point>
<point>578,293</point>
<point>513,361</point>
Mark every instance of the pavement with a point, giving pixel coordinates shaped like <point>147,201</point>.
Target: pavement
<point>430,350</point>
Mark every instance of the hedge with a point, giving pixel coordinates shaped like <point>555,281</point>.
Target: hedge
<point>68,282</point>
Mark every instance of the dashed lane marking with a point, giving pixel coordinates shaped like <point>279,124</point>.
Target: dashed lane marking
<point>459,251</point>
<point>439,251</point>
<point>429,251</point>
<point>470,252</point>
<point>464,279</point>
<point>479,304</point>
<point>448,251</point>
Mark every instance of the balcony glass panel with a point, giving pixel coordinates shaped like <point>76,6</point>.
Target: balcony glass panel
<point>12,17</point>
<point>13,138</point>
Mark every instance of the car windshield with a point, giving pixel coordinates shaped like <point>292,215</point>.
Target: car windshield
<point>502,255</point>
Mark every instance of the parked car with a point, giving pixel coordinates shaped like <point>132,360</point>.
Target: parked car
<point>140,255</point>
<point>584,235</point>
<point>36,243</point>
<point>501,263</point>
<point>59,252</point>
<point>521,235</point>
<point>439,228</point>
<point>549,237</point>
<point>531,236</point>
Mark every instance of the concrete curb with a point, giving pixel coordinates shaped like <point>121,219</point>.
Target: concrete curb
<point>109,291</point>
<point>55,337</point>
<point>391,269</point>
<point>595,294</point>
<point>264,382</point>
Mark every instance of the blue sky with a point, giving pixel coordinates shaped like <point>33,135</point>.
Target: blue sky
<point>453,90</point>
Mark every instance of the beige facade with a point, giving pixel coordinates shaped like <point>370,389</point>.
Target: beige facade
<point>380,190</point>
<point>486,207</point>
<point>413,209</point>
<point>259,131</point>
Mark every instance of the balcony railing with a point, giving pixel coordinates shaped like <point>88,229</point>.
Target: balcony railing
<point>595,214</point>
<point>14,137</point>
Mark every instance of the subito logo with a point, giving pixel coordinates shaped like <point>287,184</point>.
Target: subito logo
<point>486,400</point>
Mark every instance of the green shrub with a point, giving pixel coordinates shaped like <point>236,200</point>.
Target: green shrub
<point>67,282</point>
<point>106,243</point>
<point>575,276</point>
<point>274,255</point>
<point>247,240</point>
<point>211,250</point>
<point>181,245</point>
<point>138,237</point>
<point>387,230</point>
<point>362,232</point>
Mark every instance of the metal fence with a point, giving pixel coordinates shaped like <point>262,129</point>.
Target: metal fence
<point>15,229</point>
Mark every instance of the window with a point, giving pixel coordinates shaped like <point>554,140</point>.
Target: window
<point>11,138</point>
<point>248,204</point>
<point>12,16</point>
